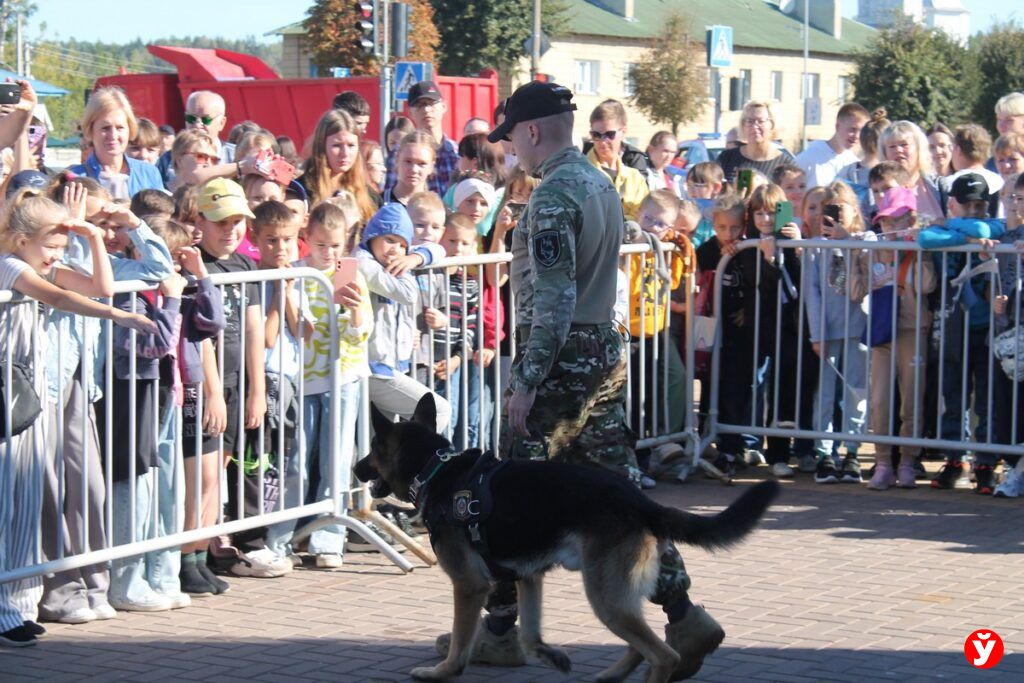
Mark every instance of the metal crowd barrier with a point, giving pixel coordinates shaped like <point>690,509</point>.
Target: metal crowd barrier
<point>939,340</point>
<point>342,509</point>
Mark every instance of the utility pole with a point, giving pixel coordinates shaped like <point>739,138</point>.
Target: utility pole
<point>535,56</point>
<point>381,10</point>
<point>20,46</point>
<point>807,53</point>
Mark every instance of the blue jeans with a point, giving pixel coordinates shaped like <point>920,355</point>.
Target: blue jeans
<point>163,566</point>
<point>316,438</point>
<point>128,575</point>
<point>956,413</point>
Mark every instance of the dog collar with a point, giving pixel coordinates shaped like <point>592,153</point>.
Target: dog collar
<point>419,483</point>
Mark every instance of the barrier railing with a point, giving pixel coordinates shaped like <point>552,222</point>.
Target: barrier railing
<point>933,350</point>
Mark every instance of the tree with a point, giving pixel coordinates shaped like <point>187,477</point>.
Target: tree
<point>919,74</point>
<point>997,57</point>
<point>670,80</point>
<point>332,36</point>
<point>481,34</point>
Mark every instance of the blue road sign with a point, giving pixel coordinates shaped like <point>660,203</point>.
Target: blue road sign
<point>408,74</point>
<point>719,41</point>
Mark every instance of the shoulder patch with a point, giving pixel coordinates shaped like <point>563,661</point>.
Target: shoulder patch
<point>547,248</point>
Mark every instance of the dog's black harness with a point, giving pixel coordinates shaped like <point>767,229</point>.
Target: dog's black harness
<point>472,504</point>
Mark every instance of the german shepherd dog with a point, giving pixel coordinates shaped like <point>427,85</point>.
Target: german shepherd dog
<point>543,514</point>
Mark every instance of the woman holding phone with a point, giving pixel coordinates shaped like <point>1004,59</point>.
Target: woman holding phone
<point>759,153</point>
<point>108,122</point>
<point>905,143</point>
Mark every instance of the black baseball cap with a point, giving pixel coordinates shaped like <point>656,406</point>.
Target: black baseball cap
<point>970,187</point>
<point>424,90</point>
<point>535,100</point>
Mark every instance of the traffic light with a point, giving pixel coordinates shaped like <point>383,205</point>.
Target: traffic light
<point>366,28</point>
<point>400,12</point>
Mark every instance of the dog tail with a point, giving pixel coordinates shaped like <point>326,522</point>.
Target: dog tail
<point>727,527</point>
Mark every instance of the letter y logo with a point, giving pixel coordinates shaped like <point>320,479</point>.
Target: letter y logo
<point>983,649</point>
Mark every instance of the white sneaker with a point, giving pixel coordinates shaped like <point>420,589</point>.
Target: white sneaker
<point>1012,485</point>
<point>82,615</point>
<point>178,600</point>
<point>754,457</point>
<point>261,564</point>
<point>104,611</point>
<point>647,483</point>
<point>328,561</point>
<point>153,602</point>
<point>781,469</point>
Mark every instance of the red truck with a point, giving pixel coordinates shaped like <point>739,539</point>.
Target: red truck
<point>252,90</point>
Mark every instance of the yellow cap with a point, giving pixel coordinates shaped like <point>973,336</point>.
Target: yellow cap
<point>222,198</point>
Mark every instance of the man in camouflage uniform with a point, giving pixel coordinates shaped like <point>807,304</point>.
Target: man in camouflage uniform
<point>567,391</point>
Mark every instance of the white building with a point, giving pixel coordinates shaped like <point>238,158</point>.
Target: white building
<point>949,15</point>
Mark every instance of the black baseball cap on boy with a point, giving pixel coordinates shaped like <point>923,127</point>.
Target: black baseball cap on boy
<point>534,100</point>
<point>970,187</point>
<point>424,90</point>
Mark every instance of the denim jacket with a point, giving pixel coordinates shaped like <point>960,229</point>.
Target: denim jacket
<point>62,359</point>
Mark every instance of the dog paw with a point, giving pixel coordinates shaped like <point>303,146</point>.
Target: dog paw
<point>430,673</point>
<point>555,657</point>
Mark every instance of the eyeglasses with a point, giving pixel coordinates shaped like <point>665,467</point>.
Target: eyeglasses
<point>425,103</point>
<point>760,123</point>
<point>608,135</point>
<point>206,120</point>
<point>653,223</point>
<point>204,158</point>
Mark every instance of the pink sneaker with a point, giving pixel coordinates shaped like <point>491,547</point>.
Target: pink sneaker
<point>884,477</point>
<point>906,477</point>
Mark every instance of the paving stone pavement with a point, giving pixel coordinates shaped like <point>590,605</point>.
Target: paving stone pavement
<point>838,584</point>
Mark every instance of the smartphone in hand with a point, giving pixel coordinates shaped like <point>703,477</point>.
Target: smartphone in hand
<point>783,215</point>
<point>344,275</point>
<point>10,93</point>
<point>744,181</point>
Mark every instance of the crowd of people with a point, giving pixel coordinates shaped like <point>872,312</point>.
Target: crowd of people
<point>214,372</point>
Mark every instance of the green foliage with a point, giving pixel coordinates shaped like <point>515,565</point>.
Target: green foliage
<point>670,79</point>
<point>75,66</point>
<point>481,34</point>
<point>999,59</point>
<point>918,74</point>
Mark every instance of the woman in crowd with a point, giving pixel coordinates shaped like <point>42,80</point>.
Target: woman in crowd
<point>940,147</point>
<point>905,143</point>
<point>335,164</point>
<point>757,127</point>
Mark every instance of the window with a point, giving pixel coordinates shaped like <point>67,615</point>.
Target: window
<point>812,86</point>
<point>776,86</point>
<point>587,76</point>
<point>628,86</point>
<point>844,89</point>
<point>746,78</point>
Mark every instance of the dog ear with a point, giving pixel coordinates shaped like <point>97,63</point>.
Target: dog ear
<point>381,424</point>
<point>426,412</point>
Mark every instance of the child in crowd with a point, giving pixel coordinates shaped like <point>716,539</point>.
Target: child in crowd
<point>74,382</point>
<point>793,181</point>
<point>147,143</point>
<point>152,203</point>
<point>137,359</point>
<point>1007,387</point>
<point>427,212</point>
<point>415,164</point>
<point>885,175</point>
<point>386,239</point>
<point>34,236</point>
<point>473,197</point>
<point>186,209</point>
<point>1009,155</point>
<point>783,342</point>
<point>221,220</point>
<point>705,181</point>
<point>662,403</point>
<point>969,201</point>
<point>327,233</point>
<point>835,326</point>
<point>735,328</point>
<point>892,284</point>
<point>810,212</point>
<point>691,221</point>
<point>258,189</point>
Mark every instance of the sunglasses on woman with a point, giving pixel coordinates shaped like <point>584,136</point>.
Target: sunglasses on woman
<point>608,135</point>
<point>204,158</point>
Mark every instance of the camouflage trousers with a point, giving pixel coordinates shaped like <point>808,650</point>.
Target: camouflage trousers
<point>579,414</point>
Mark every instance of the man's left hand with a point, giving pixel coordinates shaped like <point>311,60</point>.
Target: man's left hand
<point>519,407</point>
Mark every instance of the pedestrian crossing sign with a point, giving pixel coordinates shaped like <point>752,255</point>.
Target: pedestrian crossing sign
<point>719,44</point>
<point>408,74</point>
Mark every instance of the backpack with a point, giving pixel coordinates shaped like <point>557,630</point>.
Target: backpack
<point>21,396</point>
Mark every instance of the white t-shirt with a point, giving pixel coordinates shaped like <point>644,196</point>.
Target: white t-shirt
<point>19,321</point>
<point>994,180</point>
<point>821,163</point>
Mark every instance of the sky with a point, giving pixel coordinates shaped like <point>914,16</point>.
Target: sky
<point>92,20</point>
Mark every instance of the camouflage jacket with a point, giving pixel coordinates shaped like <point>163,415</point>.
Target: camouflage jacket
<point>573,228</point>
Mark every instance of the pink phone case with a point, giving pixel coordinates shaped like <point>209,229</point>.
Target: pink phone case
<point>344,275</point>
